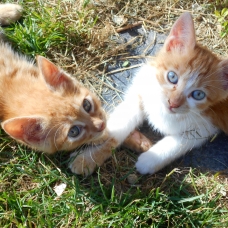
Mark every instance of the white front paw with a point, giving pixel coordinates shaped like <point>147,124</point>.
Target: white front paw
<point>148,163</point>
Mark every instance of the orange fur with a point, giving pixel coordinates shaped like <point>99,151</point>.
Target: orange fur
<point>39,105</point>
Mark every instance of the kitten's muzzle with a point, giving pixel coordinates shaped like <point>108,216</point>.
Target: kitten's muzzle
<point>100,127</point>
<point>173,104</point>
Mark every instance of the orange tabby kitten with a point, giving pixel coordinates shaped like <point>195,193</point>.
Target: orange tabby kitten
<point>44,107</point>
<point>183,95</point>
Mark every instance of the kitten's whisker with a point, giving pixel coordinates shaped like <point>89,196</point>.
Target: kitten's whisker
<point>50,132</point>
<point>91,152</point>
<point>199,129</point>
<point>204,120</point>
<point>55,137</point>
<point>194,129</point>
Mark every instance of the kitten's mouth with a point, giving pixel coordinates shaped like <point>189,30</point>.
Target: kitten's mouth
<point>102,138</point>
<point>171,110</point>
<point>177,112</point>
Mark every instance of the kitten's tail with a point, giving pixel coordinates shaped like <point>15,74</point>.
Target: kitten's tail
<point>9,13</point>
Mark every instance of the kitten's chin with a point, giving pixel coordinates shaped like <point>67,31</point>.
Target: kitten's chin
<point>170,110</point>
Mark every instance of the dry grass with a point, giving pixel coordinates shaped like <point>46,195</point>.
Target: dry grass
<point>89,57</point>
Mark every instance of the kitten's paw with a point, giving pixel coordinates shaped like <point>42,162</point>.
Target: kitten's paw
<point>148,163</point>
<point>83,164</point>
<point>138,142</point>
<point>86,162</point>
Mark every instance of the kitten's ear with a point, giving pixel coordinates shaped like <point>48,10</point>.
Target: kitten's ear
<point>26,129</point>
<point>223,65</point>
<point>182,35</point>
<point>54,76</point>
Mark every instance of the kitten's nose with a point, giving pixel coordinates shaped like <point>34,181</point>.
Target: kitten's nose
<point>173,104</point>
<point>100,126</point>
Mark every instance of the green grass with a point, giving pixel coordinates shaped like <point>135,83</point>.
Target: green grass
<point>171,198</point>
<point>45,26</point>
<point>27,198</point>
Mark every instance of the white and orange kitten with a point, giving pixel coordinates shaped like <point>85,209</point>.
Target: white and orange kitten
<point>183,95</point>
<point>42,106</point>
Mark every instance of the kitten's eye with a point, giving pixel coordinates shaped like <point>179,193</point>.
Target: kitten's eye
<point>172,77</point>
<point>198,95</point>
<point>74,131</point>
<point>87,105</point>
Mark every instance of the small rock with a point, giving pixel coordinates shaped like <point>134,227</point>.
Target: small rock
<point>119,19</point>
<point>132,178</point>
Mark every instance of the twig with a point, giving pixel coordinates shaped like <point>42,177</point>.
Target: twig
<point>154,24</point>
<point>95,90</point>
<point>123,69</point>
<point>72,54</point>
<point>150,45</point>
<point>137,57</point>
<point>116,49</point>
<point>117,93</point>
<point>94,66</point>
<point>148,21</point>
<point>69,66</point>
<point>110,87</point>
<point>130,26</point>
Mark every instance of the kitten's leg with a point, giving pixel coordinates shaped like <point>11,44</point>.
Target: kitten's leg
<point>124,119</point>
<point>86,161</point>
<point>165,151</point>
<point>138,142</point>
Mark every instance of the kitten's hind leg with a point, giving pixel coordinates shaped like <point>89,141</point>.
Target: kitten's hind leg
<point>138,142</point>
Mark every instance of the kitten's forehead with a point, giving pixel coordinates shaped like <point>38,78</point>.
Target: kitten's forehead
<point>190,79</point>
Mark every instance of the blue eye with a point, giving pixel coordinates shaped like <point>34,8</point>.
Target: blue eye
<point>172,77</point>
<point>74,131</point>
<point>198,95</point>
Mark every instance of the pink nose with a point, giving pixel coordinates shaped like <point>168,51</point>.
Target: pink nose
<point>100,127</point>
<point>173,104</point>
